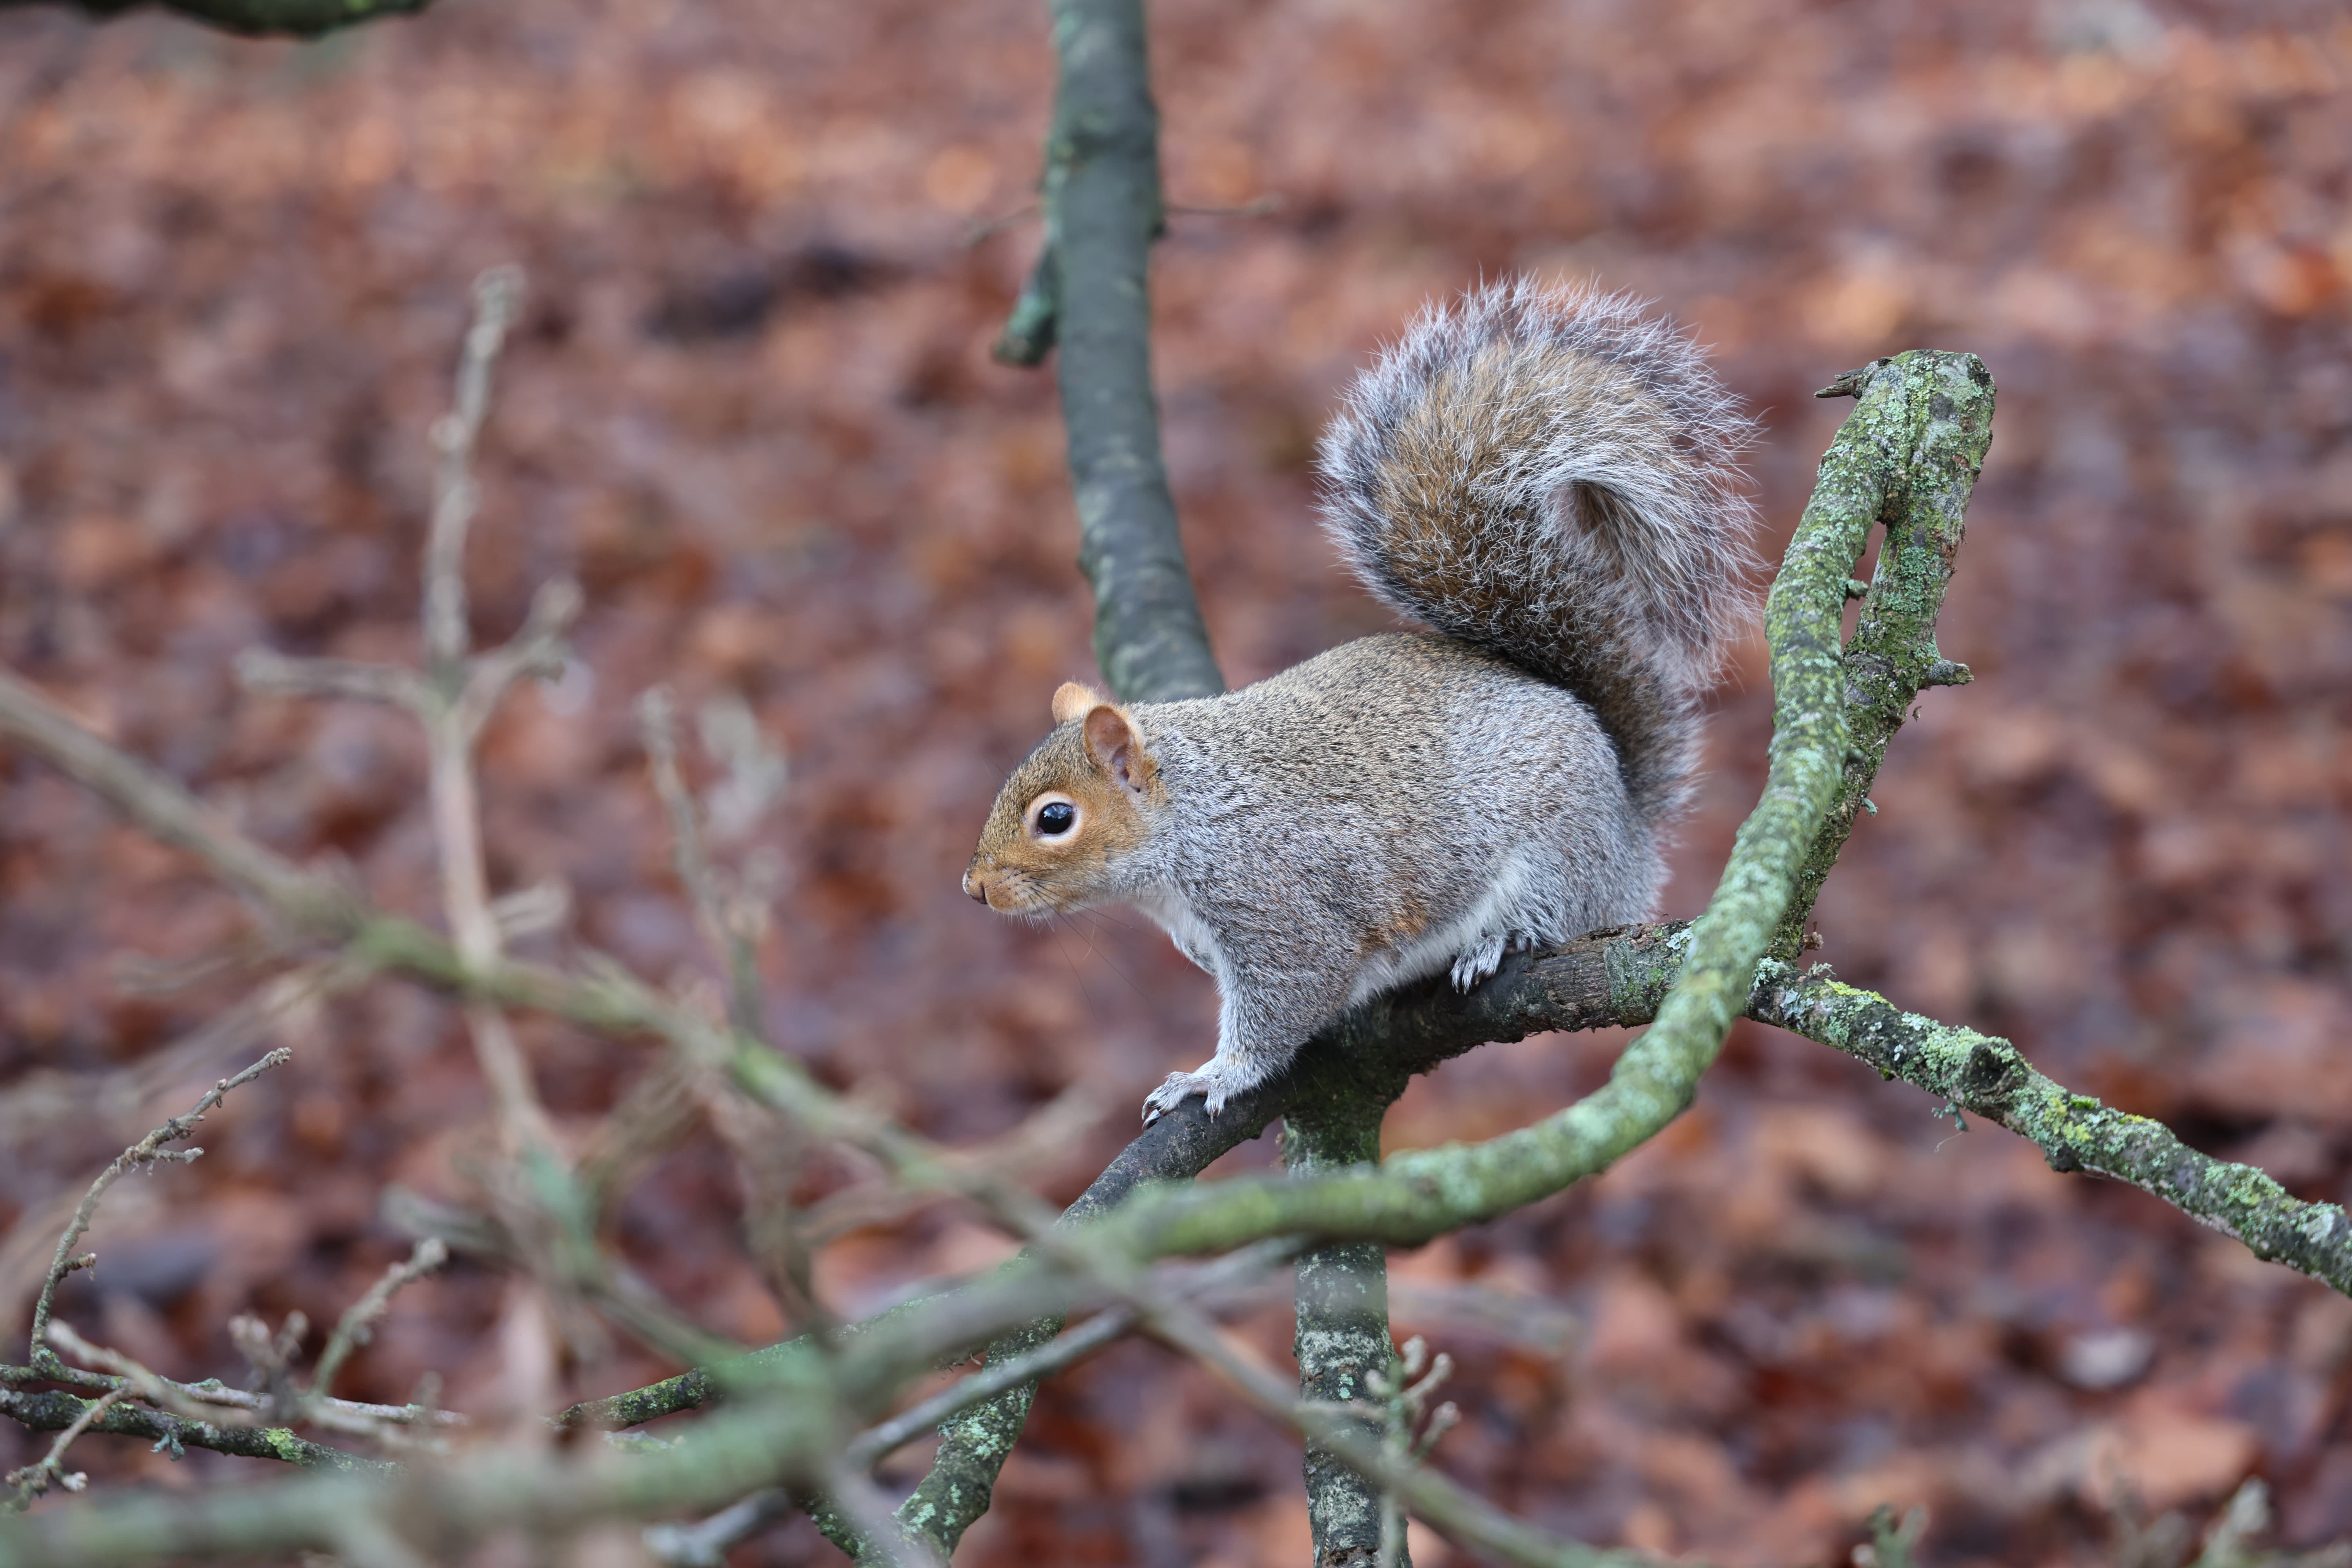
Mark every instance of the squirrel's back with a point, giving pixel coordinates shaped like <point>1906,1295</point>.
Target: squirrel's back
<point>1551,476</point>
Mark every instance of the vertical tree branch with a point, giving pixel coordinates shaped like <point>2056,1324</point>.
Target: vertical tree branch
<point>1342,1334</point>
<point>1090,293</point>
<point>1893,653</point>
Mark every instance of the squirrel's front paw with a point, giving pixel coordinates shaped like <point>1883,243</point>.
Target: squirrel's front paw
<point>1209,1082</point>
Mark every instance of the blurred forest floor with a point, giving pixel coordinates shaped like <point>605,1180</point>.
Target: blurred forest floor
<point>751,407</point>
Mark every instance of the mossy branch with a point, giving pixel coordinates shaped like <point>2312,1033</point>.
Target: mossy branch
<point>1893,655</point>
<point>1991,1078</point>
<point>54,1411</point>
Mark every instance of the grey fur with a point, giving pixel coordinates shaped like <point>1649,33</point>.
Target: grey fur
<point>1399,805</point>
<point>1548,479</point>
<point>1555,477</point>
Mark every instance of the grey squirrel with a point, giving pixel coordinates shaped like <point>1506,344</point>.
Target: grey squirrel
<point>1550,480</point>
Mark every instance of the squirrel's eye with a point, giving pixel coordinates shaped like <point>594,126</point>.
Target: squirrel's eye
<point>1057,818</point>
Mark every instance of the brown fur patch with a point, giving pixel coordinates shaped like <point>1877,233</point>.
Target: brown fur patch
<point>1024,874</point>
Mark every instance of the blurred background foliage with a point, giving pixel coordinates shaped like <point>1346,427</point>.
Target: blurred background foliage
<point>749,405</point>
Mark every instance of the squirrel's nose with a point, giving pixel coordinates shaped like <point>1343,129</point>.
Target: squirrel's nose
<point>973,889</point>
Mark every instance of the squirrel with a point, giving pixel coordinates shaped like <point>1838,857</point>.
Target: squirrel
<point>1549,478</point>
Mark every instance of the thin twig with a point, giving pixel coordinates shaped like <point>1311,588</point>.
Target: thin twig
<point>355,1327</point>
<point>1459,1515</point>
<point>34,1479</point>
<point>260,669</point>
<point>198,1401</point>
<point>151,1387</point>
<point>147,1150</point>
<point>728,939</point>
<point>496,294</point>
<point>689,1546</point>
<point>537,649</point>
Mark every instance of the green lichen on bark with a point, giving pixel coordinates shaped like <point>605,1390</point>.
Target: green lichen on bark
<point>54,1412</point>
<point>1991,1078</point>
<point>973,1446</point>
<point>1342,1327</point>
<point>1927,471</point>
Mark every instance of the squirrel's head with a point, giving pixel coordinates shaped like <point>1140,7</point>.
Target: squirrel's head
<point>1070,812</point>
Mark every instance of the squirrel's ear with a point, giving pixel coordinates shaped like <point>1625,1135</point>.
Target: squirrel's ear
<point>1116,748</point>
<point>1075,700</point>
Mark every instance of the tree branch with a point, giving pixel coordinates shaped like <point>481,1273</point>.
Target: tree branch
<point>1342,1336</point>
<point>1893,655</point>
<point>2075,1131</point>
<point>1091,293</point>
<point>256,18</point>
<point>148,1150</point>
<point>55,1411</point>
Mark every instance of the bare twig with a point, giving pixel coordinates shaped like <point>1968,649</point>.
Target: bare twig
<point>140,1382</point>
<point>1408,1427</point>
<point>263,670</point>
<point>538,649</point>
<point>271,1356</point>
<point>36,1478</point>
<point>1043,1134</point>
<point>356,1326</point>
<point>53,1412</point>
<point>160,806</point>
<point>148,1150</point>
<point>1458,1515</point>
<point>201,1401</point>
<point>730,938</point>
<point>876,1442</point>
<point>455,500</point>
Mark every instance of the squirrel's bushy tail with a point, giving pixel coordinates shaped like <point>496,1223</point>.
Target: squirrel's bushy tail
<point>1550,475</point>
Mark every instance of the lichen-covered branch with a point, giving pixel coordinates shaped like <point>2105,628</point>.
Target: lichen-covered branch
<point>1341,1333</point>
<point>1090,294</point>
<point>1892,656</point>
<point>54,1411</point>
<point>448,1506</point>
<point>2074,1133</point>
<point>256,18</point>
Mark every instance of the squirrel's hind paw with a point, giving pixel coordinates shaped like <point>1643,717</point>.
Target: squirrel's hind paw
<point>1479,962</point>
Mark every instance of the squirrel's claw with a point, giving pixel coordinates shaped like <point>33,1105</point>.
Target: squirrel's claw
<point>1178,1086</point>
<point>1479,963</point>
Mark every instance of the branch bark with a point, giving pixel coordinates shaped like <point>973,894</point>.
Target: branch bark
<point>256,18</point>
<point>1893,653</point>
<point>1341,1334</point>
<point>1090,293</point>
<point>54,1411</point>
